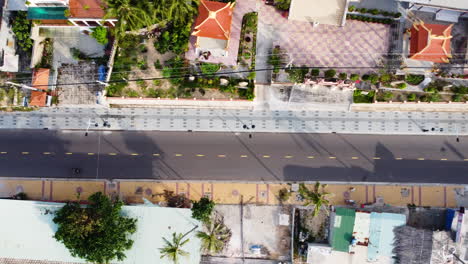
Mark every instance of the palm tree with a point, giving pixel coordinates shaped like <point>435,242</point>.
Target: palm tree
<point>131,17</point>
<point>216,238</point>
<point>180,11</point>
<point>173,249</point>
<point>316,197</point>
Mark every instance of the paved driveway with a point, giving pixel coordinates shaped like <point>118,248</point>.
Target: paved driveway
<point>357,44</point>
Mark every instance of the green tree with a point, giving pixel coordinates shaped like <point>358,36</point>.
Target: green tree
<point>354,77</point>
<point>22,28</point>
<point>275,59</point>
<point>297,75</point>
<point>180,11</point>
<point>173,249</point>
<point>316,197</point>
<point>202,209</point>
<point>330,73</point>
<point>209,68</point>
<point>97,233</point>
<point>100,34</point>
<point>216,237</point>
<point>412,97</point>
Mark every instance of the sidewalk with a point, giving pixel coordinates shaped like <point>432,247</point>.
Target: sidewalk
<point>225,120</point>
<point>231,192</point>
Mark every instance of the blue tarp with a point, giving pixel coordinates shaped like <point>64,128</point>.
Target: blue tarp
<point>449,215</point>
<point>102,73</point>
<point>381,234</point>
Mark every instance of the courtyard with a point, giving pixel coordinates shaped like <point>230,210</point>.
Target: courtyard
<point>357,44</point>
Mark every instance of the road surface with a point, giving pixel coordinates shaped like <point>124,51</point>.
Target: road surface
<point>236,157</point>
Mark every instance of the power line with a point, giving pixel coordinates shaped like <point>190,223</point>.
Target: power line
<point>225,73</point>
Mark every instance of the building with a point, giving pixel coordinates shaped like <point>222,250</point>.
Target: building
<point>213,28</point>
<point>430,42</point>
<point>75,13</point>
<point>329,12</point>
<point>9,60</point>
<point>40,81</point>
<point>27,233</point>
<point>443,10</point>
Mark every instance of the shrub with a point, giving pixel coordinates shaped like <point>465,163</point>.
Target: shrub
<point>411,97</point>
<point>297,75</point>
<point>343,76</point>
<point>174,38</point>
<point>386,78</point>
<point>354,77</point>
<point>154,93</point>
<point>157,82</point>
<point>401,85</point>
<point>358,97</point>
<point>351,8</point>
<point>365,77</point>
<point>202,209</point>
<point>21,26</point>
<point>284,194</point>
<point>100,35</point>
<point>209,68</point>
<point>414,79</point>
<point>387,96</point>
<point>460,89</point>
<point>251,75</point>
<point>247,55</point>
<point>176,200</point>
<point>433,97</point>
<point>374,78</point>
<point>131,93</point>
<point>275,59</point>
<point>142,65</point>
<point>158,65</point>
<point>315,72</point>
<point>283,4</point>
<point>457,98</point>
<point>330,73</point>
<point>143,48</point>
<point>176,71</point>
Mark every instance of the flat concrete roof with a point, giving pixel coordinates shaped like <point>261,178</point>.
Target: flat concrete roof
<point>27,232</point>
<point>329,12</point>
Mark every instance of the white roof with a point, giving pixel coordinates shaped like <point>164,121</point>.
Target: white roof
<point>330,12</point>
<point>457,4</point>
<point>27,232</point>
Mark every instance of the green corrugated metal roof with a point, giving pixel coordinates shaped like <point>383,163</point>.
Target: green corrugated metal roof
<point>343,229</point>
<point>47,13</point>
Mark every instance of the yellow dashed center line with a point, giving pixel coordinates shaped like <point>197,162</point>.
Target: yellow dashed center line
<point>46,153</point>
<point>310,157</point>
<point>443,159</point>
<point>266,156</point>
<point>288,157</point>
<point>134,154</point>
<point>156,154</point>
<point>243,156</point>
<point>465,159</point>
<point>354,157</point>
<point>398,158</point>
<point>420,158</point>
<point>200,155</point>
<point>178,155</point>
<point>68,153</point>
<point>112,154</point>
<point>90,154</point>
<point>25,153</point>
<point>332,157</point>
<point>221,156</point>
<point>376,158</point>
<point>3,152</point>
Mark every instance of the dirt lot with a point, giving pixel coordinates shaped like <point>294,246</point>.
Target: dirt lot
<point>260,225</point>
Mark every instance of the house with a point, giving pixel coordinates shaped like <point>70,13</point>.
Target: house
<point>40,81</point>
<point>430,42</point>
<point>329,12</point>
<point>71,13</point>
<point>443,10</point>
<point>213,28</point>
<point>26,235</point>
<point>9,60</point>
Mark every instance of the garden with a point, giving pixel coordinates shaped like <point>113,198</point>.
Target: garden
<point>248,40</point>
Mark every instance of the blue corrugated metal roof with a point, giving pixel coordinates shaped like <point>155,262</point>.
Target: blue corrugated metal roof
<point>381,234</point>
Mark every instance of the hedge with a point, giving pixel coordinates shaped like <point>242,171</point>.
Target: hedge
<point>370,19</point>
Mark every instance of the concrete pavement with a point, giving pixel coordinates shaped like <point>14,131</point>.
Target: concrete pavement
<point>225,120</point>
<point>266,157</point>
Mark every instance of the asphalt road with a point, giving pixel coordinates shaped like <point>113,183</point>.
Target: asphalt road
<point>229,156</point>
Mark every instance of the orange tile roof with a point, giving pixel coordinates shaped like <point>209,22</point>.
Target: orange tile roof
<point>430,42</point>
<point>214,20</point>
<point>86,9</point>
<point>40,78</point>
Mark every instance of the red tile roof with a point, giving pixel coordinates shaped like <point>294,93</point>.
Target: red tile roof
<point>214,20</point>
<point>40,79</point>
<point>430,42</point>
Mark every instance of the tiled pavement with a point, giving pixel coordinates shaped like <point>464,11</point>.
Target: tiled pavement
<point>228,192</point>
<point>241,8</point>
<point>357,44</point>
